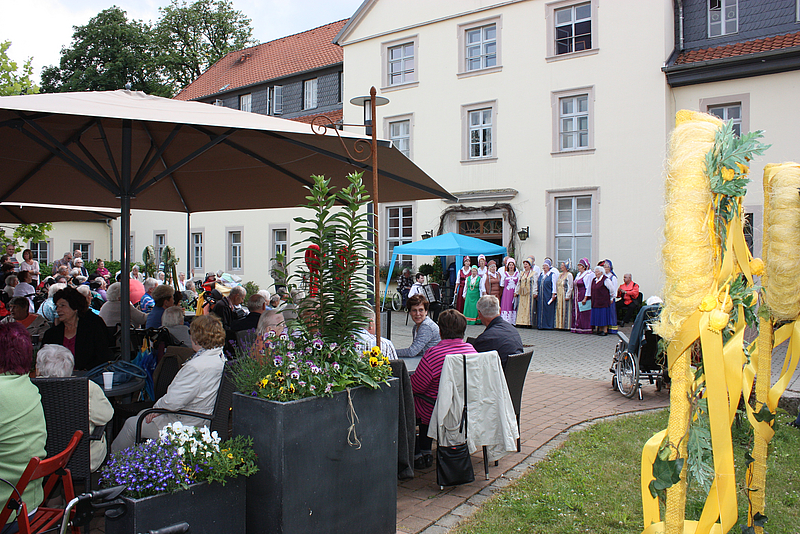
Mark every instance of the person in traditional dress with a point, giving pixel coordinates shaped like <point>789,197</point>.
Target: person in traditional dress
<point>581,320</point>
<point>564,296</point>
<point>608,268</point>
<point>482,269</point>
<point>600,292</point>
<point>463,273</point>
<point>527,289</point>
<point>472,292</point>
<point>490,284</point>
<point>509,283</point>
<point>548,282</point>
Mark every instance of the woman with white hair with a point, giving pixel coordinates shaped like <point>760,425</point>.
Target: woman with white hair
<point>48,307</point>
<point>172,320</point>
<point>600,292</point>
<point>111,312</point>
<point>53,361</point>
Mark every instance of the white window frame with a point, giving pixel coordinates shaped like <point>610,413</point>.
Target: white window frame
<point>274,242</point>
<point>157,246</point>
<point>387,130</point>
<point>742,99</point>
<point>552,207</point>
<point>89,255</point>
<point>555,104</point>
<point>399,239</point>
<point>550,20</point>
<point>132,249</point>
<point>230,252</point>
<point>48,251</point>
<point>276,100</point>
<point>199,269</point>
<point>466,128</point>
<point>463,72</point>
<point>413,79</point>
<point>724,6</point>
<point>310,93</point>
<point>246,102</point>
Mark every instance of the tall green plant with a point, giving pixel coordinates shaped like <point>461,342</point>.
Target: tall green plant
<point>335,271</point>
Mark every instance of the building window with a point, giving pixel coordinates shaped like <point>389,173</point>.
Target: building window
<point>310,94</point>
<point>481,47</point>
<point>573,225</point>
<point>197,251</point>
<point>401,64</point>
<point>480,129</point>
<point>400,134</point>
<point>40,251</point>
<point>573,122</point>
<point>235,250</point>
<point>276,100</point>
<point>131,253</point>
<point>573,28</point>
<point>730,112</point>
<point>85,248</point>
<point>400,227</point>
<point>245,102</point>
<point>280,240</point>
<point>159,243</point>
<point>723,17</point>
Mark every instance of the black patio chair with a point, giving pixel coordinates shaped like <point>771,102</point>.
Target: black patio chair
<point>516,371</point>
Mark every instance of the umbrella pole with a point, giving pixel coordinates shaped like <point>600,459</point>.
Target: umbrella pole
<point>125,231</point>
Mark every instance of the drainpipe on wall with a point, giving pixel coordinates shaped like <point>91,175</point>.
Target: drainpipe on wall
<point>680,25</point>
<point>110,240</point>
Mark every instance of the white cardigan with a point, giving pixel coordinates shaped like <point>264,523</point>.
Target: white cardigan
<point>490,421</point>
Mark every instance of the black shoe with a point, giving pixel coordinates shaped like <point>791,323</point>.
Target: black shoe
<point>423,462</point>
<point>603,334</point>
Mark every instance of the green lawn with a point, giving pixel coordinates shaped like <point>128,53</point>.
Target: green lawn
<point>591,484</point>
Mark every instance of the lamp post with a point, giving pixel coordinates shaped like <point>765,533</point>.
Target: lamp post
<point>369,103</point>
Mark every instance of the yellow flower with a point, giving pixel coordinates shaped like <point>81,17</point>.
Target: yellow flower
<point>291,388</point>
<point>743,169</point>
<point>230,456</point>
<point>373,361</point>
<point>757,266</point>
<point>727,174</point>
<point>708,303</point>
<point>264,383</point>
<point>717,320</point>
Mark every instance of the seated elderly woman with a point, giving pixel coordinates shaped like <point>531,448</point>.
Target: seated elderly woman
<point>425,332</point>
<point>87,294</point>
<point>25,289</point>
<point>48,307</point>
<point>425,380</point>
<point>194,388</point>
<point>173,321</point>
<point>111,313</point>
<point>81,331</point>
<point>56,361</point>
<point>18,310</point>
<point>21,415</point>
<point>164,297</point>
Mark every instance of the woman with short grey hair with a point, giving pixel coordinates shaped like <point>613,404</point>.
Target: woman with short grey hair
<point>56,361</point>
<point>172,320</point>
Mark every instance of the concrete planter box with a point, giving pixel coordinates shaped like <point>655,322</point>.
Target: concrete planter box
<point>208,508</point>
<point>310,479</point>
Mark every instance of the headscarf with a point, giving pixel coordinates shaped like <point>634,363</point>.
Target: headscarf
<point>481,256</point>
<point>585,263</point>
<point>567,264</point>
<point>611,266</point>
<point>548,262</point>
<point>511,260</point>
<point>473,268</point>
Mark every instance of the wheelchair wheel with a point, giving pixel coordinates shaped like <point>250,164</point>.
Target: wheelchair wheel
<point>397,302</point>
<point>627,375</point>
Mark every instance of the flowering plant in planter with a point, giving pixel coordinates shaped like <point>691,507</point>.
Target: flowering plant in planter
<point>321,353</point>
<point>181,456</point>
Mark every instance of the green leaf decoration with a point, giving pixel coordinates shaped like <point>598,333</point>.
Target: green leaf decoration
<point>759,520</point>
<point>667,473</point>
<point>764,415</point>
<point>748,458</point>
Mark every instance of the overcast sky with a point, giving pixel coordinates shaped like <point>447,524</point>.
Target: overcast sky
<point>39,28</point>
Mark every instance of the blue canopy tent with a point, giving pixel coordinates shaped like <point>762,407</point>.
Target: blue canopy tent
<point>445,245</point>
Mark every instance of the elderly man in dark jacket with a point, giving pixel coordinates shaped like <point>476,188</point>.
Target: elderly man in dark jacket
<point>500,335</point>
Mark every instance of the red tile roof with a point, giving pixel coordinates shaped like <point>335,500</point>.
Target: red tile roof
<point>767,44</point>
<point>335,115</point>
<point>301,52</point>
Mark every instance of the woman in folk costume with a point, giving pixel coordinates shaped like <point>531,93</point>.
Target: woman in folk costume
<point>564,295</point>
<point>472,292</point>
<point>548,281</point>
<point>509,283</point>
<point>490,284</point>
<point>527,289</point>
<point>581,320</point>
<point>482,269</point>
<point>600,291</point>
<point>463,273</point>
<point>608,268</point>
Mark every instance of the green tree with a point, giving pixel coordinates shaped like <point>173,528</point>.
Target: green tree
<point>11,82</point>
<point>190,37</point>
<point>106,54</point>
<point>26,233</point>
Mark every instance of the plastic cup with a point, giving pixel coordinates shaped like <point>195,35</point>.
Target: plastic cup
<point>108,379</point>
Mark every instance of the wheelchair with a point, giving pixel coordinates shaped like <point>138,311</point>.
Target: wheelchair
<point>637,358</point>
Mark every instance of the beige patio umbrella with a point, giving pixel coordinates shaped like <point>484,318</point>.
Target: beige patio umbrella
<point>139,151</point>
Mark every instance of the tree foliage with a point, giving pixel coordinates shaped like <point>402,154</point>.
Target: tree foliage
<point>190,37</point>
<point>105,54</point>
<point>11,81</point>
<point>26,233</point>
